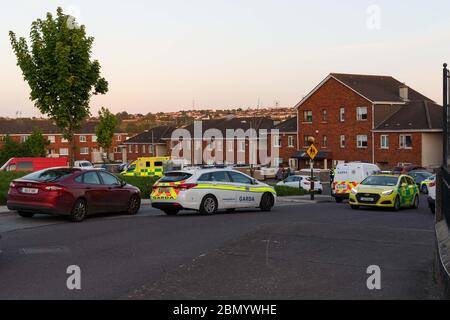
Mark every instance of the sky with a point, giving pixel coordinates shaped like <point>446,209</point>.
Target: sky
<point>217,54</point>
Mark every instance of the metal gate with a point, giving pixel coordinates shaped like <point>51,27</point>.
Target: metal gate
<point>444,197</point>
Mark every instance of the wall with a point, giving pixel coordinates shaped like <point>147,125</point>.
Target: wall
<point>432,149</point>
<point>389,158</point>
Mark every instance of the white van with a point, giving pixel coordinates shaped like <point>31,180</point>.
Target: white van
<point>348,176</point>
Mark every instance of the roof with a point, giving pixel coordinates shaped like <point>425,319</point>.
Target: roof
<point>25,126</point>
<point>374,88</point>
<point>290,125</point>
<point>222,125</point>
<point>415,115</point>
<point>154,135</point>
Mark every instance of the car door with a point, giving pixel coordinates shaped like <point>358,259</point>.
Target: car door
<point>115,197</point>
<point>93,191</point>
<point>404,189</point>
<point>244,198</point>
<point>223,188</point>
<point>293,182</point>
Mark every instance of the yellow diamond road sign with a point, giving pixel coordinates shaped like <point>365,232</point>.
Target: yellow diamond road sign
<point>312,152</point>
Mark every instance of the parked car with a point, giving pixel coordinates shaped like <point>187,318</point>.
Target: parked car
<point>421,178</point>
<point>406,169</point>
<point>83,164</point>
<point>33,164</point>
<point>303,182</point>
<point>72,192</point>
<point>348,176</point>
<point>432,195</point>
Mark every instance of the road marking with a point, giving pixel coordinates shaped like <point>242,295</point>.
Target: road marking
<point>44,250</point>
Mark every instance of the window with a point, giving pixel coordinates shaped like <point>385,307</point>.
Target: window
<point>25,166</point>
<point>94,138</point>
<point>405,141</point>
<point>219,176</point>
<point>84,150</point>
<point>64,151</point>
<point>23,138</point>
<point>91,178</point>
<point>342,114</point>
<point>118,137</point>
<point>384,141</point>
<point>361,141</point>
<point>116,150</point>
<point>64,140</point>
<point>49,175</point>
<point>136,149</point>
<point>342,141</point>
<point>361,113</point>
<point>278,162</point>
<point>151,148</point>
<point>291,141</point>
<point>51,139</point>
<point>109,179</point>
<point>129,148</point>
<point>230,146</point>
<point>239,178</point>
<point>306,140</point>
<point>307,116</point>
<point>325,141</point>
<point>175,176</point>
<point>277,141</point>
<point>324,115</point>
<point>241,145</point>
<point>143,148</point>
<point>82,138</point>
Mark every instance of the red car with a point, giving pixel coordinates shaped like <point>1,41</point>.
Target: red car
<point>72,192</point>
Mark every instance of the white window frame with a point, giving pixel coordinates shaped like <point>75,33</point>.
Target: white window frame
<point>359,113</point>
<point>136,149</point>
<point>51,139</point>
<point>241,145</point>
<point>94,138</point>
<point>63,151</point>
<point>291,141</point>
<point>306,114</point>
<point>144,148</point>
<point>219,145</point>
<point>325,141</point>
<point>384,141</point>
<point>230,145</point>
<point>342,141</point>
<point>359,141</point>
<point>402,141</point>
<point>82,139</point>
<point>342,114</point>
<point>277,141</point>
<point>23,138</point>
<point>130,148</point>
<point>84,150</point>
<point>64,140</point>
<point>151,148</point>
<point>118,137</point>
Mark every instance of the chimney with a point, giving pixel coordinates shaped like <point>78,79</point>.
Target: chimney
<point>403,92</point>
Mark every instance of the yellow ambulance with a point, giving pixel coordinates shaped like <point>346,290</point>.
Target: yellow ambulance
<point>146,167</point>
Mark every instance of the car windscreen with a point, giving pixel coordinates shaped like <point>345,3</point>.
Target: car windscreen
<point>49,175</point>
<point>175,177</point>
<point>380,181</point>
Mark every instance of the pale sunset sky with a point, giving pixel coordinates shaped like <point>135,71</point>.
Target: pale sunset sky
<point>162,55</point>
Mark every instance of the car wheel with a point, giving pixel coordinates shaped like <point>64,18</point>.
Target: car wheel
<point>396,206</point>
<point>339,200</point>
<point>208,205</point>
<point>415,204</point>
<point>354,207</point>
<point>26,214</point>
<point>424,189</point>
<point>79,211</point>
<point>171,212</point>
<point>134,205</point>
<point>267,202</point>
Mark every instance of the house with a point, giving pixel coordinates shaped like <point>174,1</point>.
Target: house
<point>207,141</point>
<point>287,142</point>
<point>369,118</point>
<point>85,138</point>
<point>147,144</point>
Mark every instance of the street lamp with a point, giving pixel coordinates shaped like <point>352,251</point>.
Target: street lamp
<point>311,141</point>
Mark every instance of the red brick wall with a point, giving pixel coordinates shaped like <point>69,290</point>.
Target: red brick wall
<point>138,151</point>
<point>388,158</point>
<point>330,97</point>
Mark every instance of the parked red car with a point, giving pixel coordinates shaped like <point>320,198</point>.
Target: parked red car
<point>72,192</point>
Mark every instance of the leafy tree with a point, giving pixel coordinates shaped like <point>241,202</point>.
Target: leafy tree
<point>59,70</point>
<point>36,144</point>
<point>11,149</point>
<point>105,129</point>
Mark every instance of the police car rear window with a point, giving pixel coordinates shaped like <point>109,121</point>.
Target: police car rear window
<point>175,176</point>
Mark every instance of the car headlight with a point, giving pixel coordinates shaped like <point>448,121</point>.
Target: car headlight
<point>354,191</point>
<point>387,193</point>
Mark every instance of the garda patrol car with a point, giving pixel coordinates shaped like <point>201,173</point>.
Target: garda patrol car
<point>209,190</point>
<point>384,190</point>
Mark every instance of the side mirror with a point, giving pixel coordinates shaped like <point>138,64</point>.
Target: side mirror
<point>122,183</point>
<point>254,181</point>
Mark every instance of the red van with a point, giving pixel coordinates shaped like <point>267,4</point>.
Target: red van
<point>33,164</point>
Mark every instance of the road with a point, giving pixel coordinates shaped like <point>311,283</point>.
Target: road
<point>297,251</point>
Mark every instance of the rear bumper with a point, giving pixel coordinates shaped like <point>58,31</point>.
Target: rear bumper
<point>341,195</point>
<point>167,205</point>
<point>35,208</point>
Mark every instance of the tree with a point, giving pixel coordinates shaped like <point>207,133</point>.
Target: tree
<point>59,70</point>
<point>106,128</point>
<point>36,144</point>
<point>11,149</point>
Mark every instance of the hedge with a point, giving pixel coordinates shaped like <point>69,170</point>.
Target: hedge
<point>144,184</point>
<point>283,191</point>
<point>5,180</point>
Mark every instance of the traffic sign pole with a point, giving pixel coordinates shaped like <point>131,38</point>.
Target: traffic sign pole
<point>312,179</point>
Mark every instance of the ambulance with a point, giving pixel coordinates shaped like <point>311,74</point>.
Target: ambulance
<point>146,167</point>
<point>348,175</point>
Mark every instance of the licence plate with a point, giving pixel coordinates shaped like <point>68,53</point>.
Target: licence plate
<point>341,187</point>
<point>164,190</point>
<point>367,199</point>
<point>30,190</point>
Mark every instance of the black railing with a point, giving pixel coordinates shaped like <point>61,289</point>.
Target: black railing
<point>444,197</point>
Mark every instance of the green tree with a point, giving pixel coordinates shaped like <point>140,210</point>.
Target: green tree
<point>11,149</point>
<point>106,128</point>
<point>59,70</point>
<point>36,144</point>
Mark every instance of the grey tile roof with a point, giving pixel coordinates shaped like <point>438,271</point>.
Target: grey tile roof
<point>289,125</point>
<point>154,135</point>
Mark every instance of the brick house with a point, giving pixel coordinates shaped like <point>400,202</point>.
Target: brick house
<point>148,144</point>
<point>369,118</point>
<point>287,142</point>
<point>220,151</point>
<point>85,138</point>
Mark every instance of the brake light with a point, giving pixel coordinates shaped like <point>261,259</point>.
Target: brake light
<point>307,183</point>
<point>185,186</point>
<point>154,187</point>
<point>432,184</point>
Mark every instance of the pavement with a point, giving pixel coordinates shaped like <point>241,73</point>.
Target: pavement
<point>297,251</point>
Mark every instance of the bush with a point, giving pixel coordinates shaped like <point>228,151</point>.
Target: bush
<point>283,191</point>
<point>5,180</point>
<point>144,184</point>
